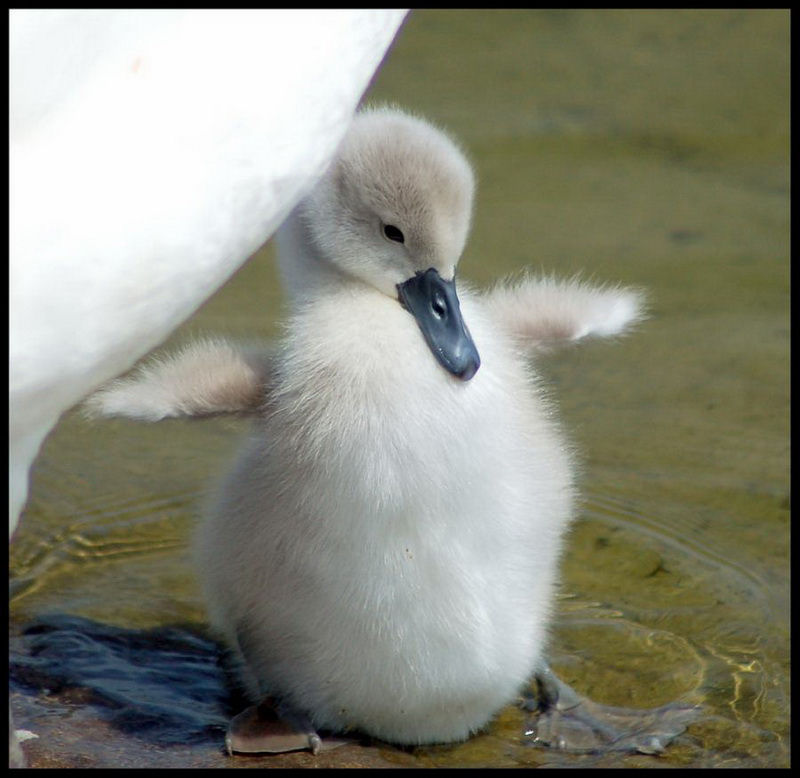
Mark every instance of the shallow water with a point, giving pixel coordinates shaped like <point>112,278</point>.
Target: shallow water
<point>649,148</point>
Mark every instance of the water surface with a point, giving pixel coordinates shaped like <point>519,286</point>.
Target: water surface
<point>649,148</point>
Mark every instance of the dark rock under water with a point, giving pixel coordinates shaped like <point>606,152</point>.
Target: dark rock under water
<point>168,685</point>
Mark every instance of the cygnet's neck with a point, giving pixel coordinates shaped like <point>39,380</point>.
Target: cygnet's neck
<point>305,274</point>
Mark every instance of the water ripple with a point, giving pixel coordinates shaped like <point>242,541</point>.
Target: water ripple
<point>618,512</point>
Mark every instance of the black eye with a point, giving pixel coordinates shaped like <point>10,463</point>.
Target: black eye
<point>391,232</point>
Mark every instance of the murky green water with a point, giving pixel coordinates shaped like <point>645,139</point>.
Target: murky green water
<point>649,148</point>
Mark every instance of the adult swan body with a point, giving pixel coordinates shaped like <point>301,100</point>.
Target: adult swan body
<point>151,153</point>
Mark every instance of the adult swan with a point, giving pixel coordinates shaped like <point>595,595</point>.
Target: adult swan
<point>151,153</point>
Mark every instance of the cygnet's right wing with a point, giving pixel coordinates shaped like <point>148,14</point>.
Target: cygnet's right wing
<point>205,378</point>
<point>545,312</point>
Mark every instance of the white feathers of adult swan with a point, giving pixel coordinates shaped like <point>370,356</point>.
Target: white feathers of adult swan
<point>151,153</point>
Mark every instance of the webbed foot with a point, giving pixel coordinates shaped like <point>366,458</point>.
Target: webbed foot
<point>566,720</point>
<point>267,728</point>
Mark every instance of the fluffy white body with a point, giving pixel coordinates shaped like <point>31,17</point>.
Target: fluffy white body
<point>384,552</point>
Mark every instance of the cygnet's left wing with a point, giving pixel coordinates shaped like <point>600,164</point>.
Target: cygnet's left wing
<point>545,312</point>
<point>205,378</point>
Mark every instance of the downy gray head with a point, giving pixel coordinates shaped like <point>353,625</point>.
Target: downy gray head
<point>393,211</point>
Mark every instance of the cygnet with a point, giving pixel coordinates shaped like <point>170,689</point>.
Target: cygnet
<point>382,557</point>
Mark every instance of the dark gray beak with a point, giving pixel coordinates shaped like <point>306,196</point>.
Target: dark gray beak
<point>434,304</point>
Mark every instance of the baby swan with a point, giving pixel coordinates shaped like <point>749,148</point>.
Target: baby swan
<point>383,555</point>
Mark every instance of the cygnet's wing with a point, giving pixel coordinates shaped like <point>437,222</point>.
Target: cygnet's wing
<point>205,378</point>
<point>546,312</point>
